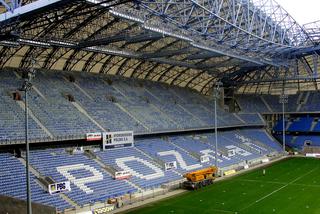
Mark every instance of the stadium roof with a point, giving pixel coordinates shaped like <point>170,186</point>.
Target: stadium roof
<point>190,43</point>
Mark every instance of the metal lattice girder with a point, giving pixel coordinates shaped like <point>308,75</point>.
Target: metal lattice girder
<point>301,69</point>
<point>313,30</point>
<point>11,5</point>
<point>260,27</point>
<point>117,38</point>
<point>14,8</point>
<point>181,42</point>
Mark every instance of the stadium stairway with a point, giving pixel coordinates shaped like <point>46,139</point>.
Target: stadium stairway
<point>242,151</point>
<point>263,146</point>
<point>198,148</point>
<point>239,118</point>
<point>157,162</point>
<point>174,111</point>
<point>38,177</point>
<point>192,155</point>
<point>180,160</point>
<point>314,124</point>
<point>96,186</point>
<point>83,111</point>
<point>266,104</point>
<point>288,124</point>
<point>13,181</point>
<point>83,91</point>
<point>93,110</point>
<point>193,115</point>
<point>166,116</point>
<point>145,173</point>
<point>39,92</point>
<point>108,169</point>
<point>133,117</point>
<point>300,101</point>
<point>317,127</point>
<point>170,104</point>
<point>249,148</point>
<point>30,114</point>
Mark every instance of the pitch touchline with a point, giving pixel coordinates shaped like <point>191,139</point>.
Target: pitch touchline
<point>275,182</point>
<point>219,210</point>
<point>258,181</point>
<point>277,190</point>
<point>286,185</point>
<point>224,211</point>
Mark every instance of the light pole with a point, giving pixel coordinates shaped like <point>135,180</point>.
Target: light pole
<point>216,94</point>
<point>28,75</point>
<point>283,99</point>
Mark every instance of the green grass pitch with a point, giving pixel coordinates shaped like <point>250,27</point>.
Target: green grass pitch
<point>291,186</point>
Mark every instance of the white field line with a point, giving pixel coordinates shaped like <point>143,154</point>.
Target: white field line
<point>277,190</point>
<point>275,182</point>
<point>260,181</point>
<point>223,211</point>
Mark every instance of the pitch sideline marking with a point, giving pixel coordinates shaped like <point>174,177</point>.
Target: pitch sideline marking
<point>274,182</point>
<point>277,190</point>
<point>259,181</point>
<point>224,211</point>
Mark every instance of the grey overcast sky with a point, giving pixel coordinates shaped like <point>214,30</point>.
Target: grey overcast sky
<point>303,11</point>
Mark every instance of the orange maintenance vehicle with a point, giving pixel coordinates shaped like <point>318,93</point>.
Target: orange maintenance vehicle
<point>200,178</point>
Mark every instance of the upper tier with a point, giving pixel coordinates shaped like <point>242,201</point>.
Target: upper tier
<point>64,105</point>
<point>307,101</point>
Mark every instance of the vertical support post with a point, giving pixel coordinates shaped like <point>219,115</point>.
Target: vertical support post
<point>26,87</point>
<point>216,95</point>
<point>215,132</point>
<point>283,130</point>
<point>283,100</point>
<point>29,208</point>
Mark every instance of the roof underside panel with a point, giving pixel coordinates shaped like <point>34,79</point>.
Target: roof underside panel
<point>186,43</point>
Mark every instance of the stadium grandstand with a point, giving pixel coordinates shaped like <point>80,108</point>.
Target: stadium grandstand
<point>108,104</point>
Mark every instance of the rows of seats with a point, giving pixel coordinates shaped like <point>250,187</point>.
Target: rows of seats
<point>90,177</point>
<point>308,140</point>
<point>251,103</point>
<point>301,124</point>
<point>103,110</point>
<point>313,102</point>
<point>231,140</point>
<point>12,116</point>
<point>167,152</point>
<point>13,184</point>
<point>98,185</point>
<point>300,141</point>
<point>68,105</point>
<point>54,111</point>
<point>198,145</point>
<point>301,130</point>
<point>279,125</point>
<point>262,139</point>
<point>146,173</point>
<point>168,103</point>
<point>251,118</point>
<point>266,103</point>
<point>151,116</point>
<point>296,124</point>
<point>317,127</point>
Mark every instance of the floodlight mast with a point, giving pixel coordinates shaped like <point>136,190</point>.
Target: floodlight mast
<point>283,100</point>
<point>216,93</point>
<point>27,86</point>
